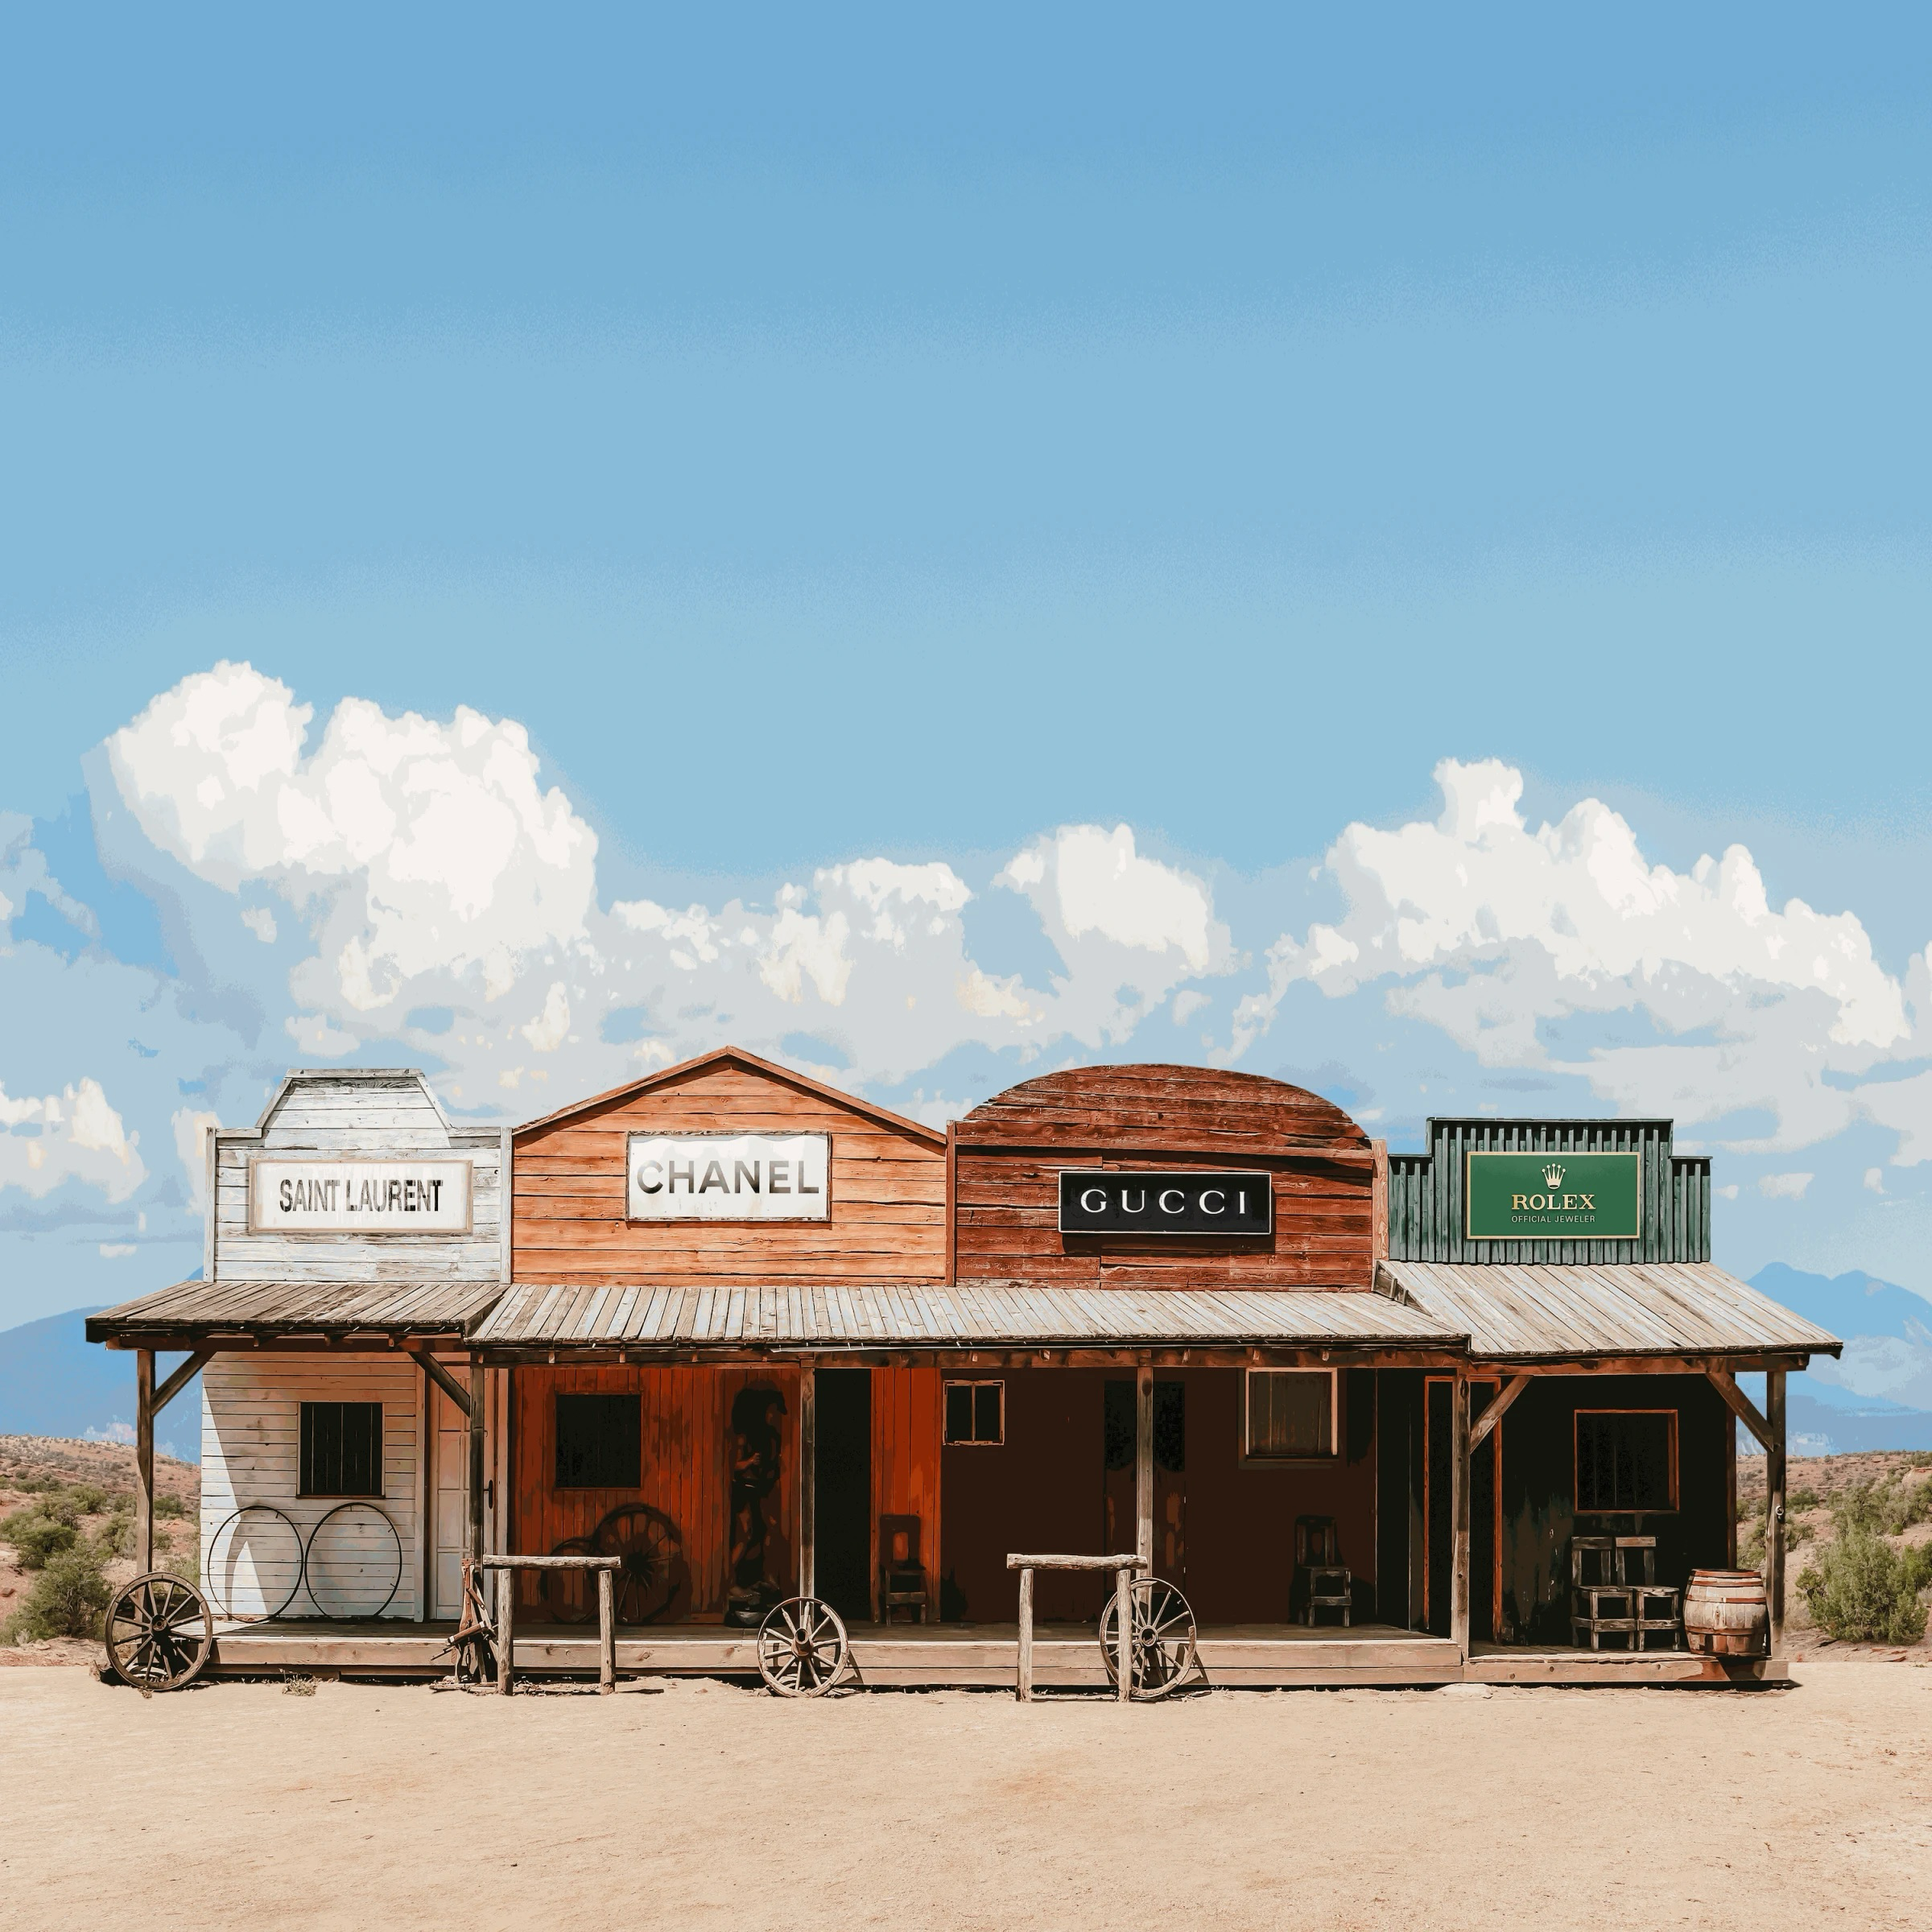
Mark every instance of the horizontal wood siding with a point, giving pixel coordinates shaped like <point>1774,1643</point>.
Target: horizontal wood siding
<point>1008,1155</point>
<point>888,1221</point>
<point>251,1438</point>
<point>685,1467</point>
<point>353,1113</point>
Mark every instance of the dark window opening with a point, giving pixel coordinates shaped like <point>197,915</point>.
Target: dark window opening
<point>341,1449</point>
<point>1626,1460</point>
<point>1291,1413</point>
<point>1169,1426</point>
<point>975,1412</point>
<point>598,1442</point>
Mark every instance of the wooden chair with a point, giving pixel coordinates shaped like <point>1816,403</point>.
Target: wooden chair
<point>901,1574</point>
<point>1318,1570</point>
<point>1625,1579</point>
<point>1653,1606</point>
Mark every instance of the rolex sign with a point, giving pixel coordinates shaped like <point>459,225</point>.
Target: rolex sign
<point>1554,1197</point>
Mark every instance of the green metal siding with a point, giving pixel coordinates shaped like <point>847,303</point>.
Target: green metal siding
<point>1426,1218</point>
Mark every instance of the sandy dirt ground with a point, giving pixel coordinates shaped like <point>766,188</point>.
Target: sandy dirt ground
<point>701,1804</point>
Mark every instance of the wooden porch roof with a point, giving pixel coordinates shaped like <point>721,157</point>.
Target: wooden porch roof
<point>989,1313</point>
<point>1569,1311</point>
<point>191,1312</point>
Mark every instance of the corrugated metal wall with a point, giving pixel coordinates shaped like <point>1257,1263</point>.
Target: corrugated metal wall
<point>1426,1219</point>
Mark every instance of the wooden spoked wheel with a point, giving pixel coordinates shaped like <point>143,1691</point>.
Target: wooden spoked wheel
<point>802,1648</point>
<point>649,1542</point>
<point>1163,1637</point>
<point>571,1595</point>
<point>159,1632</point>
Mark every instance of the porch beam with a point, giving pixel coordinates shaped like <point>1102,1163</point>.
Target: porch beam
<point>184,1373</point>
<point>808,1484</point>
<point>144,1461</point>
<point>1458,1513</point>
<point>1741,1405</point>
<point>1774,1509</point>
<point>1143,1461</point>
<point>442,1379</point>
<point>1479,1432</point>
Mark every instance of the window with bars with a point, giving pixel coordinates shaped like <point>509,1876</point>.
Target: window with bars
<point>600,1442</point>
<point>1290,1414</point>
<point>975,1412</point>
<point>341,1449</point>
<point>1626,1460</point>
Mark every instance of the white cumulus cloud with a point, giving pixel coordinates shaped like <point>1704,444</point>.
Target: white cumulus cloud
<point>71,1135</point>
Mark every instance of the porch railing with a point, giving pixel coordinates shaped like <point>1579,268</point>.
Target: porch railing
<point>606,1568</point>
<point>1125,1566</point>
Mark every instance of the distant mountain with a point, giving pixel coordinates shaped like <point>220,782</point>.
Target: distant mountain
<point>54,1382</point>
<point>1878,1395</point>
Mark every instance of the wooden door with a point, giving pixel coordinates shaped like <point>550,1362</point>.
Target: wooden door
<point>449,1504</point>
<point>842,1491</point>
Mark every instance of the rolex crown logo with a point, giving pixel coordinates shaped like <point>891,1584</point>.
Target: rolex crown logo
<point>1553,1174</point>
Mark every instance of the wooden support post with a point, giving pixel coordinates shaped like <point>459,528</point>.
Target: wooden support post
<point>607,1631</point>
<point>1026,1682</point>
<point>808,1482</point>
<point>144,1461</point>
<point>1143,1461</point>
<point>506,1631</point>
<point>1774,1506</point>
<point>476,1459</point>
<point>1124,1591</point>
<point>1458,1514</point>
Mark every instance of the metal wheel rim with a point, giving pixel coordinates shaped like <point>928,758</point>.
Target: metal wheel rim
<point>1163,1639</point>
<point>642,1594</point>
<point>551,1584</point>
<point>802,1648</point>
<point>149,1631</point>
<point>335,1616</point>
<point>265,1617</point>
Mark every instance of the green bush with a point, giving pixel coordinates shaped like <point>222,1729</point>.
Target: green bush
<point>1862,1591</point>
<point>116,1536</point>
<point>184,1562</point>
<point>170,1506</point>
<point>89,1499</point>
<point>68,1599</point>
<point>37,1538</point>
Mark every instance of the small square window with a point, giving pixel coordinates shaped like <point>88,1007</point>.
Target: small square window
<point>1626,1460</point>
<point>341,1449</point>
<point>975,1412</point>
<point>599,1442</point>
<point>1291,1413</point>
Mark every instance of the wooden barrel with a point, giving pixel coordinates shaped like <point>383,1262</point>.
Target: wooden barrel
<point>1727,1613</point>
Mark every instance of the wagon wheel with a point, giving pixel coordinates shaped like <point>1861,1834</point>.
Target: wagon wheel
<point>1163,1637</point>
<point>570,1596</point>
<point>159,1632</point>
<point>802,1648</point>
<point>649,1542</point>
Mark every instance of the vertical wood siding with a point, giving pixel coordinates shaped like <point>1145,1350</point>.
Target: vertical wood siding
<point>685,1464</point>
<point>251,1435</point>
<point>357,1113</point>
<point>1425,1212</point>
<point>908,1424</point>
<point>888,1219</point>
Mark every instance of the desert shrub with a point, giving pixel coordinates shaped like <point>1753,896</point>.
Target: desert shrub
<point>38,1538</point>
<point>116,1536</point>
<point>57,1504</point>
<point>184,1562</point>
<point>68,1599</point>
<point>1862,1591</point>
<point>1802,1499</point>
<point>171,1506</point>
<point>88,1499</point>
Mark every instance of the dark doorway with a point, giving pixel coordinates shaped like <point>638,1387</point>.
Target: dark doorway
<point>842,1491</point>
<point>1119,1529</point>
<point>1439,1520</point>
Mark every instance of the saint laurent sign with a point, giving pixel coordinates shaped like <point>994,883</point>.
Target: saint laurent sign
<point>322,1195</point>
<point>1095,1200</point>
<point>730,1176</point>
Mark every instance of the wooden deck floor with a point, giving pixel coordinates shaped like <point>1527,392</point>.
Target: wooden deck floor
<point>1065,1655</point>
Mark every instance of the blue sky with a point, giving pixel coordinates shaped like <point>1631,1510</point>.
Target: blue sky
<point>838,459</point>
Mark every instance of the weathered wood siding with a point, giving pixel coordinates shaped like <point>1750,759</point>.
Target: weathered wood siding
<point>1008,1155</point>
<point>251,1435</point>
<point>685,1465</point>
<point>908,1424</point>
<point>355,1111</point>
<point>888,1205</point>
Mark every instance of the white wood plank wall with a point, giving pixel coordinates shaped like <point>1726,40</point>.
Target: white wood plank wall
<point>251,1438</point>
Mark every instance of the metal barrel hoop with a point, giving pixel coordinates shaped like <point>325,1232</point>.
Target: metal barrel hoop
<point>382,1516</point>
<point>228,1614</point>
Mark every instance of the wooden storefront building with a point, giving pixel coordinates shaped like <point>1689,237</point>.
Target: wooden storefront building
<point>762,1339</point>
